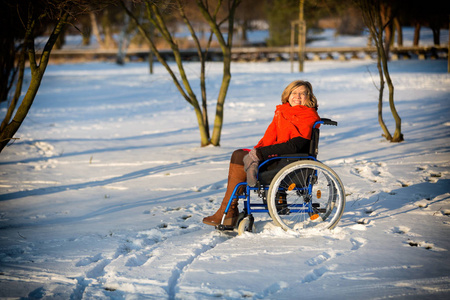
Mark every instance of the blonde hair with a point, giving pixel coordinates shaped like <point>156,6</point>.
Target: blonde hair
<point>311,102</point>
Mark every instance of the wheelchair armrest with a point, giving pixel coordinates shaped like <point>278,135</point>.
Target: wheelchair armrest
<point>297,155</point>
<point>327,121</point>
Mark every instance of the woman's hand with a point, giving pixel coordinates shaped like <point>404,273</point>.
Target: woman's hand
<point>251,162</point>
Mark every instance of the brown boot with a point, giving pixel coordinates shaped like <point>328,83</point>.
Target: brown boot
<point>236,174</point>
<point>230,218</point>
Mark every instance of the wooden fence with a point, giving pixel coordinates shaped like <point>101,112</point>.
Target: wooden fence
<point>263,53</point>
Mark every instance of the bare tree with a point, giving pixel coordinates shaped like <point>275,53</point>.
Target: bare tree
<point>249,11</point>
<point>418,13</point>
<point>28,16</point>
<point>31,13</point>
<point>103,30</point>
<point>211,15</point>
<point>372,12</point>
<point>399,30</point>
<point>127,31</point>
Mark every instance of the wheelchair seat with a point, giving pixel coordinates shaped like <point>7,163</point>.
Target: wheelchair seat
<point>270,168</point>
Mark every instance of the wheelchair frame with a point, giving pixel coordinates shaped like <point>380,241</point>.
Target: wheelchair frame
<point>313,168</point>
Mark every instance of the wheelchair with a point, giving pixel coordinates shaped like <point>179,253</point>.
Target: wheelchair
<point>296,190</point>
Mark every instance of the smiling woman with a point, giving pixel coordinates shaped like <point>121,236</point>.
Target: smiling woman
<point>299,92</point>
<point>289,133</point>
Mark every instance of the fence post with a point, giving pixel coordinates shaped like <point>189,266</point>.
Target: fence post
<point>301,37</point>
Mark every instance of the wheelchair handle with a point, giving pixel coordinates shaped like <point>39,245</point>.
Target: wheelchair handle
<point>325,121</point>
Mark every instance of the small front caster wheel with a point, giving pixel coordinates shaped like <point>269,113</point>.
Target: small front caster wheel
<point>244,226</point>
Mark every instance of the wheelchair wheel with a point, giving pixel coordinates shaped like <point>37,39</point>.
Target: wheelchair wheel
<point>244,226</point>
<point>306,194</point>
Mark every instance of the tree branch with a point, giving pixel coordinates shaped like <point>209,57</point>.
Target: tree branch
<point>45,56</point>
<point>157,53</point>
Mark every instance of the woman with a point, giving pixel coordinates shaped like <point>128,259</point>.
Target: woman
<point>289,133</point>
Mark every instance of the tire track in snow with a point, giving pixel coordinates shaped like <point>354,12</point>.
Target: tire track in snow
<point>149,263</point>
<point>206,245</point>
<point>92,276</point>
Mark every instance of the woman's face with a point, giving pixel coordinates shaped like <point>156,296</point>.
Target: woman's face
<point>299,96</point>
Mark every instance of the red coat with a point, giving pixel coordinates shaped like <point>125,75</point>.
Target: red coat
<point>289,122</point>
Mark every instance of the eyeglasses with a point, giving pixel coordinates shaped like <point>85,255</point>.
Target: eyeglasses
<point>304,94</point>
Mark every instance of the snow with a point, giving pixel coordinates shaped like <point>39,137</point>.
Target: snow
<point>103,195</point>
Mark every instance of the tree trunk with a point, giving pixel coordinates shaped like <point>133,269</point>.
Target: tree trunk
<point>373,16</point>
<point>150,52</point>
<point>96,31</point>
<point>8,57</point>
<point>387,26</point>
<point>37,72</point>
<point>377,35</point>
<point>109,41</point>
<point>226,51</point>
<point>61,40</point>
<point>204,132</point>
<point>416,34</point>
<point>18,91</point>
<point>383,126</point>
<point>436,35</point>
<point>86,30</point>
<point>398,136</point>
<point>369,40</point>
<point>218,120</point>
<point>399,30</point>
<point>123,41</point>
<point>244,35</point>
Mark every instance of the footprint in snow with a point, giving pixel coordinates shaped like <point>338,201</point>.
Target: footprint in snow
<point>422,244</point>
<point>421,203</point>
<point>372,171</point>
<point>98,270</point>
<point>271,290</point>
<point>429,175</point>
<point>363,221</point>
<point>88,260</point>
<point>44,149</point>
<point>370,211</point>
<point>317,260</point>
<point>434,177</point>
<point>137,260</point>
<point>315,274</point>
<point>357,243</point>
<point>405,231</point>
<point>400,230</point>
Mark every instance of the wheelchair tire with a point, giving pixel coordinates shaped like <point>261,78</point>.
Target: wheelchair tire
<point>244,226</point>
<point>315,196</point>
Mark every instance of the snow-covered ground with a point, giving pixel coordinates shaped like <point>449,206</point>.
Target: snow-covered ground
<point>103,195</point>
